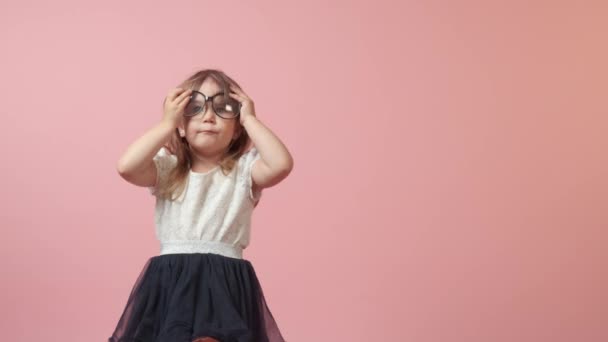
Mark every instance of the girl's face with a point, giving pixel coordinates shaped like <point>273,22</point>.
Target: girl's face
<point>206,132</point>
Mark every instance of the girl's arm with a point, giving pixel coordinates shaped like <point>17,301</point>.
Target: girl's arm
<point>275,161</point>
<point>136,165</point>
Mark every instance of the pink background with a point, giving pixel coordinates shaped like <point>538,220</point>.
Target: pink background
<point>450,162</point>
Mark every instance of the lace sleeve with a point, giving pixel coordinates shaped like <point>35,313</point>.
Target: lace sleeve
<point>164,162</point>
<point>249,159</point>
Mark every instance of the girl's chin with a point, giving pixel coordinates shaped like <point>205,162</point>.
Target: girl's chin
<point>205,145</point>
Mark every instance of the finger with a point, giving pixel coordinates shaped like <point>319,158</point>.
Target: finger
<point>185,94</point>
<point>174,92</point>
<point>184,101</point>
<point>179,92</point>
<point>236,96</point>
<point>241,100</point>
<point>237,90</point>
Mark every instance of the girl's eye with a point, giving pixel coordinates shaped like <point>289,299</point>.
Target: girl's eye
<point>220,107</point>
<point>226,107</point>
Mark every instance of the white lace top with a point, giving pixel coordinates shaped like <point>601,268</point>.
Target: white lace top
<point>213,214</point>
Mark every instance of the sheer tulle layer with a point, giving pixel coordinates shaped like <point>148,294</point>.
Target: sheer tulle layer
<point>181,297</point>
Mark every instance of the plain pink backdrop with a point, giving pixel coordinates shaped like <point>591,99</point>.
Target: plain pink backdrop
<point>450,162</point>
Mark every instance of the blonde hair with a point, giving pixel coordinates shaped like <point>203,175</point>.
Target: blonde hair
<point>174,184</point>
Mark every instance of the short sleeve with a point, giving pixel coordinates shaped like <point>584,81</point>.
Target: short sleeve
<point>249,159</point>
<point>164,162</point>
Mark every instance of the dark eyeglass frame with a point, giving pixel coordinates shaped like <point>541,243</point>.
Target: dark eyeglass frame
<point>210,98</point>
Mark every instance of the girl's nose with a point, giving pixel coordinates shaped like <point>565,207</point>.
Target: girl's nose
<point>209,114</point>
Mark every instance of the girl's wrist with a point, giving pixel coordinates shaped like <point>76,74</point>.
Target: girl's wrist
<point>168,123</point>
<point>247,119</point>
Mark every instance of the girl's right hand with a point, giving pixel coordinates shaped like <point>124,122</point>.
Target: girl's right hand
<point>174,105</point>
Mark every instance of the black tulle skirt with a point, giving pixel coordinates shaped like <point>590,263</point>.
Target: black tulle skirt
<point>182,297</point>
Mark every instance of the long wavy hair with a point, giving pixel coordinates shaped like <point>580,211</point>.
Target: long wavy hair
<point>175,183</point>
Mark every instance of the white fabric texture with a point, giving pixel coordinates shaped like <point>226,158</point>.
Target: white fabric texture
<point>214,209</point>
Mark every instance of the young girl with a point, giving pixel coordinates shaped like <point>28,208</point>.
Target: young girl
<point>207,183</point>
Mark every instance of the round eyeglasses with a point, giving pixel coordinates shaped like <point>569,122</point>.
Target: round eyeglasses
<point>224,106</point>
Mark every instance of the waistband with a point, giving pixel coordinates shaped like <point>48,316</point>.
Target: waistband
<point>199,246</point>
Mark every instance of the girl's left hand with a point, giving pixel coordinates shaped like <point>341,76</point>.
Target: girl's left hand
<point>247,108</point>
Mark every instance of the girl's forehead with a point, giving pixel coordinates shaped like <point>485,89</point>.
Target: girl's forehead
<point>209,87</point>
